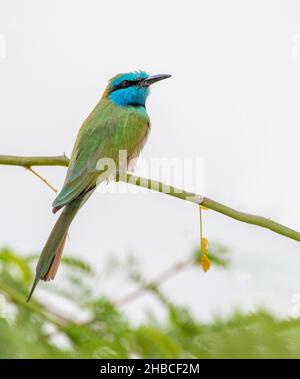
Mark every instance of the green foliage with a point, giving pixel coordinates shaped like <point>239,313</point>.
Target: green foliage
<point>33,330</point>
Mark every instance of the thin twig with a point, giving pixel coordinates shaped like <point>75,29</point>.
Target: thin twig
<point>154,283</point>
<point>160,187</point>
<point>41,178</point>
<point>201,227</point>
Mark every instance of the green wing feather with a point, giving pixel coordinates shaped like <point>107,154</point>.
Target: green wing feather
<point>108,129</point>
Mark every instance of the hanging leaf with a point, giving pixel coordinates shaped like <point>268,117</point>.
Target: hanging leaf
<point>205,262</point>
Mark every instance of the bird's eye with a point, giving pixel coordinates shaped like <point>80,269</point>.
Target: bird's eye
<point>125,83</point>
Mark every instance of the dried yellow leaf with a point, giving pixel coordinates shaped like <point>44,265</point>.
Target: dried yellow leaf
<point>205,262</point>
<point>204,245</point>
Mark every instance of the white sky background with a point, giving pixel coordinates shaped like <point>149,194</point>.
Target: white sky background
<point>233,100</point>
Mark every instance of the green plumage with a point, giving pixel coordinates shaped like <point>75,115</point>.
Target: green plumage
<point>55,243</point>
<point>108,129</point>
<point>118,122</point>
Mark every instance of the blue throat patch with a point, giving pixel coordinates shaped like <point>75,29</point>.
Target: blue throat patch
<point>134,95</point>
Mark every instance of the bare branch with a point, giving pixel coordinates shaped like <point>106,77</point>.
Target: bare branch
<point>159,187</point>
<point>155,283</point>
<point>41,178</point>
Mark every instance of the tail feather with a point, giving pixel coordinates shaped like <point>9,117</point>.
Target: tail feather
<point>36,280</point>
<point>50,275</point>
<point>51,255</point>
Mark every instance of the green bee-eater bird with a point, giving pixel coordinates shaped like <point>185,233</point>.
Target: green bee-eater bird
<point>118,122</point>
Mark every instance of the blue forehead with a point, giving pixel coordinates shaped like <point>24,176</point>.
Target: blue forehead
<point>129,76</point>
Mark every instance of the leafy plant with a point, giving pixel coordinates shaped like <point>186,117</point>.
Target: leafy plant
<point>34,330</point>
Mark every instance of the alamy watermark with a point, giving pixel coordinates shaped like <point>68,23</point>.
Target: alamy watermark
<point>161,174</point>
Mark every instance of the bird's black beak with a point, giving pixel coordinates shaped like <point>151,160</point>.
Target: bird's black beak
<point>154,78</point>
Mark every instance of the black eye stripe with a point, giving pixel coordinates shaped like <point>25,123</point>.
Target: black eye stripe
<point>125,84</point>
